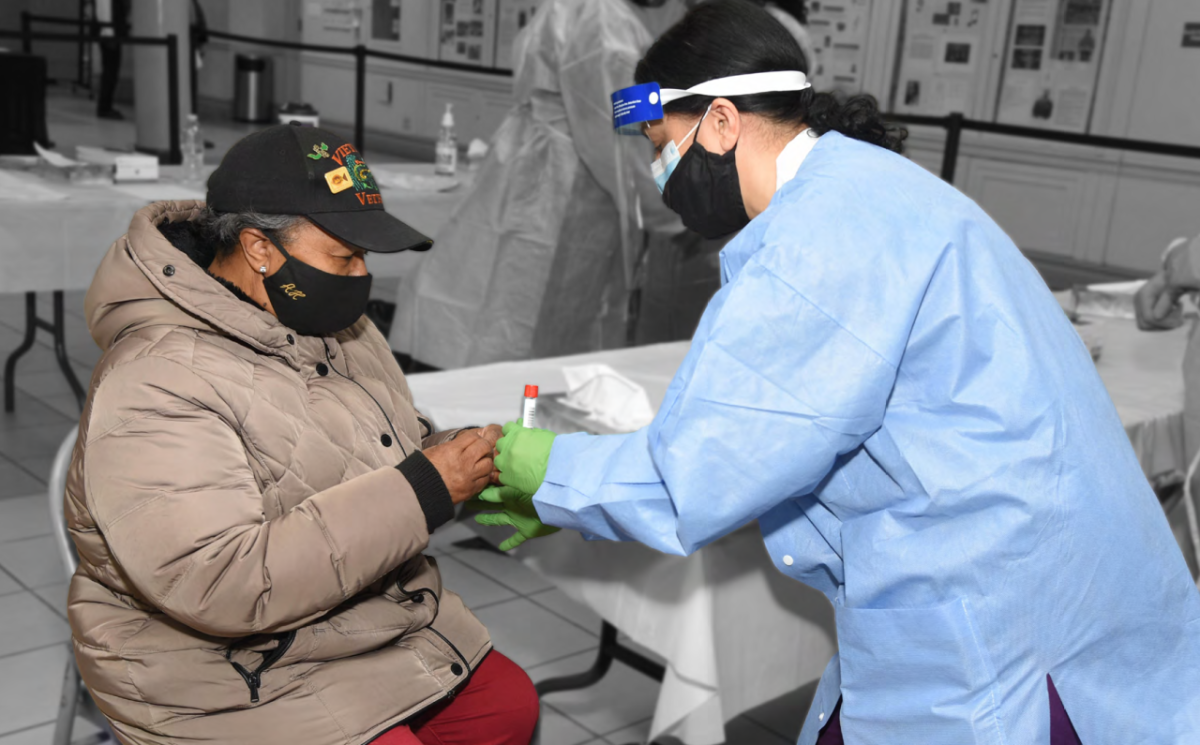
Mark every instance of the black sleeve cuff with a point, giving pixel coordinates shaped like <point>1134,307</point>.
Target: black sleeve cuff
<point>431,491</point>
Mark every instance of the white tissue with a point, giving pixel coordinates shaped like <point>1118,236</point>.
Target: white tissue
<point>53,158</point>
<point>608,397</point>
<point>478,149</point>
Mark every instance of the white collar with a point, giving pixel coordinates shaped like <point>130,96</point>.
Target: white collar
<point>794,153</point>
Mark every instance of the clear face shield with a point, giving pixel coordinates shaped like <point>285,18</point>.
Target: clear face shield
<point>637,213</point>
<point>635,107</point>
<point>638,105</point>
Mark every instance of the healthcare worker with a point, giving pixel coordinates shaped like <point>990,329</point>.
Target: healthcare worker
<point>539,261</point>
<point>1159,307</point>
<point>887,386</point>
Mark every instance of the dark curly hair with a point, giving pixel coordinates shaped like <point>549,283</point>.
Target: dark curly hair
<point>721,38</point>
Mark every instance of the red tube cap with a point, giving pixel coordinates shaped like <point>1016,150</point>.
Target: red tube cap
<point>531,391</point>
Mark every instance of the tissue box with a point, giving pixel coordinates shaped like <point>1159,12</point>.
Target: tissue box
<point>136,168</point>
<point>79,174</point>
<point>560,418</point>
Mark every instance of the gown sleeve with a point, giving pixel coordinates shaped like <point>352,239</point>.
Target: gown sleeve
<point>773,390</point>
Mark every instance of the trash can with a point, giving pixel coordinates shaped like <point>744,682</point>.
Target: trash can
<point>252,89</point>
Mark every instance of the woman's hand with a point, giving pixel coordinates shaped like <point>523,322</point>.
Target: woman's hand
<point>491,433</point>
<point>464,463</point>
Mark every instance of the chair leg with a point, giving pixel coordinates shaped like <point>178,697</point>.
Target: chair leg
<point>67,704</point>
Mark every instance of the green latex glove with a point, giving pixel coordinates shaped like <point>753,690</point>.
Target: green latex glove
<point>518,513</point>
<point>522,456</point>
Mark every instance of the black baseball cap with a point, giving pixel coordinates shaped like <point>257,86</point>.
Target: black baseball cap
<point>290,170</point>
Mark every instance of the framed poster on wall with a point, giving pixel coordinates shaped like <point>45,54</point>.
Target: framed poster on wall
<point>839,30</point>
<point>1052,63</point>
<point>468,32</point>
<point>514,16</point>
<point>947,56</point>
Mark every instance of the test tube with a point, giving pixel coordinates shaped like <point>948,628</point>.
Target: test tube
<point>529,407</point>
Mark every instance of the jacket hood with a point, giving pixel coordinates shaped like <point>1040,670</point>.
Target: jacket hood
<point>145,281</point>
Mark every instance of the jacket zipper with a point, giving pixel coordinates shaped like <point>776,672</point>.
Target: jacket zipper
<point>253,677</point>
<point>466,665</point>
<point>379,406</point>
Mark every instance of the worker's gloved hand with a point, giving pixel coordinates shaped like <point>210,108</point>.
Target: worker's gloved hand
<point>522,456</point>
<point>518,513</point>
<point>1157,304</point>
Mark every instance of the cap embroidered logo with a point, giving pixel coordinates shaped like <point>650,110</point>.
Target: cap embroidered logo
<point>363,180</point>
<point>319,152</point>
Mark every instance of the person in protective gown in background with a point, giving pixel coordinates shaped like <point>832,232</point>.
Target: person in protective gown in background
<point>793,16</point>
<point>539,261</point>
<point>1159,308</point>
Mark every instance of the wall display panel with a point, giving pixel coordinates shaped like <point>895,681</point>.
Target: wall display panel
<point>513,17</point>
<point>946,56</point>
<point>1052,63</point>
<point>334,22</point>
<point>468,32</point>
<point>408,27</point>
<point>839,31</point>
<point>1165,99</point>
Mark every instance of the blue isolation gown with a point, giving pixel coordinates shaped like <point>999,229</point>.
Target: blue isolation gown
<point>888,387</point>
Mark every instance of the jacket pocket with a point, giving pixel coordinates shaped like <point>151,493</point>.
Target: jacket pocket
<point>916,674</point>
<point>253,676</point>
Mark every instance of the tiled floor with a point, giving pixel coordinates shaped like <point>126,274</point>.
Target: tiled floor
<point>531,621</point>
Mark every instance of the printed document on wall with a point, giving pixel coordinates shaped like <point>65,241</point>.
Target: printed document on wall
<point>1052,63</point>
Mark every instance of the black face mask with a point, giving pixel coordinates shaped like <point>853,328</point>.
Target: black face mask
<point>705,192</point>
<point>313,302</point>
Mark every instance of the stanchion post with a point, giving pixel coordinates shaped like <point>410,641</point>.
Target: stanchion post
<point>360,96</point>
<point>954,128</point>
<point>193,73</point>
<point>26,30</point>
<point>175,156</point>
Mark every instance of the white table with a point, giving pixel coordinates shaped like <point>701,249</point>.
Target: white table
<point>721,659</point>
<point>1142,371</point>
<point>54,234</point>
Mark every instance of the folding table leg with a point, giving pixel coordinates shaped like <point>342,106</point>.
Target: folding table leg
<point>10,366</point>
<point>610,649</point>
<point>60,349</point>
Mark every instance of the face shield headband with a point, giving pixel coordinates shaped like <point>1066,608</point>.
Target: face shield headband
<point>638,104</point>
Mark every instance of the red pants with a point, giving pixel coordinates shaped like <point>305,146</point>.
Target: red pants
<point>497,706</point>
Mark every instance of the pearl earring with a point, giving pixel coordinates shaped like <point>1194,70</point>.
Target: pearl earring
<point>262,270</point>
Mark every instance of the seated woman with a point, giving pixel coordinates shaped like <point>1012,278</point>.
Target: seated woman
<point>252,488</point>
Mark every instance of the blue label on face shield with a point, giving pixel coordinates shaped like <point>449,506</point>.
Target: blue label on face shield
<point>637,104</point>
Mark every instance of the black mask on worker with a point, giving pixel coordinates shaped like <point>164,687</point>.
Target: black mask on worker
<point>313,302</point>
<point>705,192</point>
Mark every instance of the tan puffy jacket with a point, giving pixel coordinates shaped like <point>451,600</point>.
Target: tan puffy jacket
<point>250,558</point>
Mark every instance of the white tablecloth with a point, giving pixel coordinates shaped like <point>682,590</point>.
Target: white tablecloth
<point>1143,374</point>
<point>735,632</point>
<point>53,236</point>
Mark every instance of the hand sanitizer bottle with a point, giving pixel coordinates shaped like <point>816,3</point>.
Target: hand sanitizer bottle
<point>447,145</point>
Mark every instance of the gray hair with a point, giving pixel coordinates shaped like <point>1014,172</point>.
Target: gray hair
<point>224,229</point>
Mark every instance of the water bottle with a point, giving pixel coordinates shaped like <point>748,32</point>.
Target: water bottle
<point>192,145</point>
<point>447,146</point>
